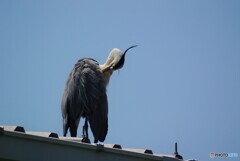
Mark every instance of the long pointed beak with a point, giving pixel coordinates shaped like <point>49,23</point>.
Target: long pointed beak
<point>129,48</point>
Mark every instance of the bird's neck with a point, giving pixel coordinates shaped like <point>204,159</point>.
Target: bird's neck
<point>107,76</point>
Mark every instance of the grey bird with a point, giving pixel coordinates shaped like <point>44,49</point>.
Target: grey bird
<point>85,95</point>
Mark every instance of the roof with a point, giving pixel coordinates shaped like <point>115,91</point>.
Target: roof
<point>21,145</point>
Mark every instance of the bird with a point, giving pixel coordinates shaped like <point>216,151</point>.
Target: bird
<point>85,95</point>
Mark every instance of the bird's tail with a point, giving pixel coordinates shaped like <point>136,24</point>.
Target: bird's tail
<point>69,124</point>
<point>103,133</point>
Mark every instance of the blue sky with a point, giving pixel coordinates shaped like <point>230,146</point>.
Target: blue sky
<point>181,84</point>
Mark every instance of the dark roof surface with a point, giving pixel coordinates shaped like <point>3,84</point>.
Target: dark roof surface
<point>18,144</point>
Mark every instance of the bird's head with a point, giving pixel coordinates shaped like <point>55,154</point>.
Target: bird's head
<point>115,60</point>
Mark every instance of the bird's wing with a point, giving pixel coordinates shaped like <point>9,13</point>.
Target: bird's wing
<point>84,87</point>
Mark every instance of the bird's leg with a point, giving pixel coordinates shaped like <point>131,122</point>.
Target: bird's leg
<point>85,131</point>
<point>86,127</point>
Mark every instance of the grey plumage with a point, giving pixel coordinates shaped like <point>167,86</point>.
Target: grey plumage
<point>85,95</point>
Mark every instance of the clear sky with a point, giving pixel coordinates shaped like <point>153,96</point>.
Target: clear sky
<point>181,84</point>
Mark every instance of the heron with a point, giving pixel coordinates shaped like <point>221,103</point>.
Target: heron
<point>85,95</point>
